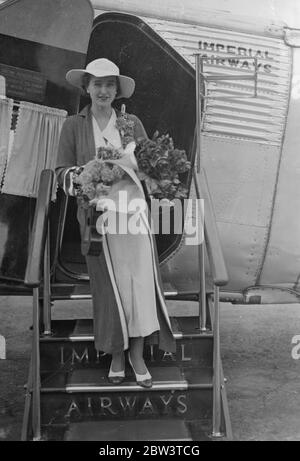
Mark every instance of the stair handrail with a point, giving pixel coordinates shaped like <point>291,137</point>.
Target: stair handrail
<point>33,273</point>
<point>219,274</point>
<point>211,234</point>
<point>38,254</point>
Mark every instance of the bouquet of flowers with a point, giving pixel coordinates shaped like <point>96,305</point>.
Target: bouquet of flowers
<point>160,164</point>
<point>94,180</point>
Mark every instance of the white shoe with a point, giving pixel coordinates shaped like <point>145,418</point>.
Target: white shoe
<point>144,380</point>
<point>115,377</point>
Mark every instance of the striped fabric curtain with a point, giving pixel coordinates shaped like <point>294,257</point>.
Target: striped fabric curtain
<point>34,148</point>
<point>6,107</point>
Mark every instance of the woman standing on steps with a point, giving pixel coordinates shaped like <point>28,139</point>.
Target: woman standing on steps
<point>126,288</point>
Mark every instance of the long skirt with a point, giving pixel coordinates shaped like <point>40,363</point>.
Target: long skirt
<point>131,262</point>
<point>108,328</point>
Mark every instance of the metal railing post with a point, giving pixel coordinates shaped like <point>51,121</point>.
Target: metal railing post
<point>201,262</point>
<point>47,287</point>
<point>201,259</point>
<point>202,294</point>
<point>36,407</point>
<point>216,432</point>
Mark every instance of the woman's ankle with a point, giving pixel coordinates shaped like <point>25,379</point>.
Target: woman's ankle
<point>118,360</point>
<point>117,355</point>
<point>138,363</point>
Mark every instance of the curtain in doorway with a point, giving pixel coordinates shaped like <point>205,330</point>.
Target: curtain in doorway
<point>34,148</point>
<point>6,107</point>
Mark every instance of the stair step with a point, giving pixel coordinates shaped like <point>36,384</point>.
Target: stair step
<point>86,394</point>
<point>82,329</point>
<point>61,408</point>
<point>79,291</point>
<point>95,380</point>
<point>129,430</point>
<point>167,429</point>
<point>72,345</point>
<point>67,356</point>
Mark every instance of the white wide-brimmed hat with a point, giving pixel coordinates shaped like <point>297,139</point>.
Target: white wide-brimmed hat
<point>102,68</point>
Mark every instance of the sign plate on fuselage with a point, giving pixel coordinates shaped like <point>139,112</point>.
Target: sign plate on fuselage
<point>24,84</point>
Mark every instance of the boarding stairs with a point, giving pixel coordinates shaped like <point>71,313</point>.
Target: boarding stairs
<point>68,395</point>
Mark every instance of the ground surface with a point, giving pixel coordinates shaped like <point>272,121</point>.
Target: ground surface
<point>263,386</point>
